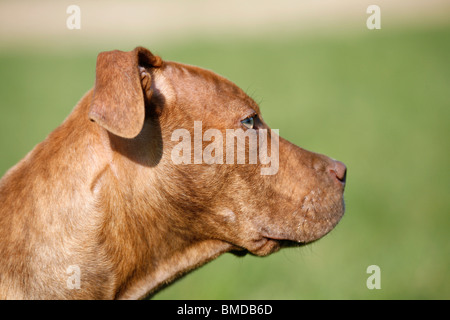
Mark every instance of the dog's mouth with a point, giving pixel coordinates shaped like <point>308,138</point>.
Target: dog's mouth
<point>302,229</point>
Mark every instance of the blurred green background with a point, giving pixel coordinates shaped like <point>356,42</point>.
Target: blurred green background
<point>378,100</point>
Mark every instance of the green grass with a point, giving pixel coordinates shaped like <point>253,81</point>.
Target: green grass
<point>378,101</point>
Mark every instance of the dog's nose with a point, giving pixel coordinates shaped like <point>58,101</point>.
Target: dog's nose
<point>339,170</point>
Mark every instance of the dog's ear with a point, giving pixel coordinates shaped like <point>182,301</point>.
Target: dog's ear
<point>122,85</point>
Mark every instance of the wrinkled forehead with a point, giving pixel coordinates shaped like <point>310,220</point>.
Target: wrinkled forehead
<point>200,85</point>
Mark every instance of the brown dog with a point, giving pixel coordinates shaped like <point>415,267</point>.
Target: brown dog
<point>101,209</point>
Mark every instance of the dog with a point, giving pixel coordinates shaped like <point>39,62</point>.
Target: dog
<point>101,209</point>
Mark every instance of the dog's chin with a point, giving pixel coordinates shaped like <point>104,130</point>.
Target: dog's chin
<point>310,228</point>
<point>314,223</point>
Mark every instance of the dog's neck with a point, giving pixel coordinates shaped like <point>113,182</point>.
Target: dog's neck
<point>143,247</point>
<point>175,266</point>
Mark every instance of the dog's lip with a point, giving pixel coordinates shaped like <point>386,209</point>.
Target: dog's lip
<point>278,235</point>
<point>283,239</point>
<point>266,245</point>
<point>269,244</point>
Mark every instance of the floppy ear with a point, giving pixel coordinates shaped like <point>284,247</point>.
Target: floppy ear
<point>122,85</point>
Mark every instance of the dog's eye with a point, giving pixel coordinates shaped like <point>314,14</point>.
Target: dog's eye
<point>249,122</point>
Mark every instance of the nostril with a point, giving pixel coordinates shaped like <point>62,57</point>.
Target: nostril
<point>340,170</point>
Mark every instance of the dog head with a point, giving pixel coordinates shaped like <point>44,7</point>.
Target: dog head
<point>202,159</point>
